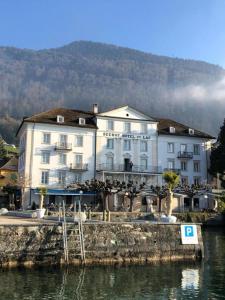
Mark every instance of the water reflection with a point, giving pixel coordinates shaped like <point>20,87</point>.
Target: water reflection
<point>162,281</point>
<point>190,279</point>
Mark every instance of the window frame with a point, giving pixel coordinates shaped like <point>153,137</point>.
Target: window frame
<point>43,138</point>
<point>62,162</point>
<point>168,147</point>
<point>43,152</point>
<point>44,177</point>
<point>75,159</point>
<point>145,166</point>
<point>196,163</point>
<point>184,163</point>
<point>171,160</point>
<point>125,127</point>
<point>198,149</point>
<point>126,142</point>
<point>112,125</point>
<point>143,149</point>
<point>77,137</point>
<point>62,179</point>
<point>108,143</point>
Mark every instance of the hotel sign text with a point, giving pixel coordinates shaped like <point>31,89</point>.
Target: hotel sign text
<point>127,136</point>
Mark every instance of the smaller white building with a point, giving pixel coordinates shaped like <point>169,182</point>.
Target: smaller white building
<point>184,150</point>
<point>57,149</point>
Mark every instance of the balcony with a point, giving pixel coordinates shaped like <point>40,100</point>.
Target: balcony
<point>185,155</point>
<point>177,171</point>
<point>79,167</point>
<point>125,168</point>
<point>63,146</point>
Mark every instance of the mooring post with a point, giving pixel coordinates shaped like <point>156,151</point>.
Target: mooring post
<point>108,216</point>
<point>104,215</point>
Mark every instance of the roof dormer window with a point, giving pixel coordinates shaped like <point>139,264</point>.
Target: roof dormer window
<point>82,121</point>
<point>172,129</point>
<point>191,131</point>
<point>60,119</point>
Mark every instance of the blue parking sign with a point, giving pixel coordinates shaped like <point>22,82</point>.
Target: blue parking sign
<point>189,234</point>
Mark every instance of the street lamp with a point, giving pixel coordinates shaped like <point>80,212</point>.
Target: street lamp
<point>81,193</point>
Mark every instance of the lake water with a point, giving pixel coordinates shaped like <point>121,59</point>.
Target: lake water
<point>203,280</point>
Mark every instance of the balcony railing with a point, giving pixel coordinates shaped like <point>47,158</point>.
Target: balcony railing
<point>125,168</point>
<point>78,167</point>
<point>185,155</point>
<point>63,146</point>
<point>177,171</point>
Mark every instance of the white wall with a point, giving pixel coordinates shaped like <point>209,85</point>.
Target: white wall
<point>135,136</point>
<point>35,146</point>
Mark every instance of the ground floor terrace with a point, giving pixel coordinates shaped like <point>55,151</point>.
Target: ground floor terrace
<point>149,175</point>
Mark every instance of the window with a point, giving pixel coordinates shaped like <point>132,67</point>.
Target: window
<point>46,138</point>
<point>127,127</point>
<point>62,158</point>
<point>196,149</point>
<point>77,178</point>
<point>183,165</point>
<point>197,180</point>
<point>184,180</point>
<point>63,140</point>
<point>82,121</point>
<point>44,177</point>
<point>144,164</point>
<point>171,164</point>
<point>109,163</point>
<point>78,160</point>
<point>60,119</point>
<point>196,165</point>
<point>144,128</point>
<point>127,145</point>
<point>62,177</point>
<point>144,146</point>
<point>110,125</point>
<point>191,131</point>
<point>110,144</point>
<point>172,129</point>
<point>170,147</point>
<point>196,202</point>
<point>45,157</point>
<point>79,141</point>
<point>183,148</point>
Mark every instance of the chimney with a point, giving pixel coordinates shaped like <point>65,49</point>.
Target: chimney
<point>95,108</point>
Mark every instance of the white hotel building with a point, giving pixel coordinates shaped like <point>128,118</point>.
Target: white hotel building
<point>64,146</point>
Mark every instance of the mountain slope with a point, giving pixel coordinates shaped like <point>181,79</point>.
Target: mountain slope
<point>82,73</point>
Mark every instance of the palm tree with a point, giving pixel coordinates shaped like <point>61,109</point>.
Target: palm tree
<point>43,193</point>
<point>172,180</point>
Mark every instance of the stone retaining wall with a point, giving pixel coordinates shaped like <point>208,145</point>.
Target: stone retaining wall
<point>104,243</point>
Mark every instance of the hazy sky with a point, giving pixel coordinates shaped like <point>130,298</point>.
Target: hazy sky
<point>179,28</point>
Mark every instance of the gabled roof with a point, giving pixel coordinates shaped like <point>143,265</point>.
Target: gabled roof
<point>71,118</point>
<point>180,129</point>
<point>11,165</point>
<point>143,115</point>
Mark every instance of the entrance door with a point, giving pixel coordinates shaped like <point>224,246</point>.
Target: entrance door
<point>126,164</point>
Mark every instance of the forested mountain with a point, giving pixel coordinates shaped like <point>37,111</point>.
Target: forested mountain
<point>82,73</point>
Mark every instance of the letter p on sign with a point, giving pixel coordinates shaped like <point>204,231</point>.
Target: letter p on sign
<point>189,232</point>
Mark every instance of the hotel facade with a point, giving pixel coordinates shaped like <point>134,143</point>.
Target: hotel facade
<point>62,147</point>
